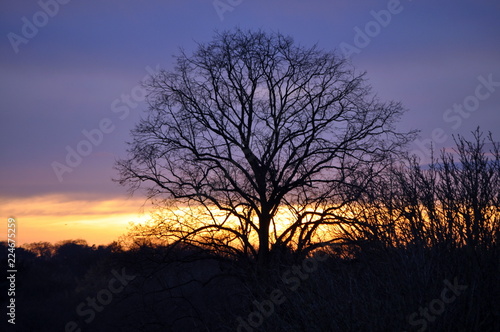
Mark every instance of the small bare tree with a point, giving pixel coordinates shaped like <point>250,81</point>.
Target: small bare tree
<point>452,202</point>
<point>250,129</point>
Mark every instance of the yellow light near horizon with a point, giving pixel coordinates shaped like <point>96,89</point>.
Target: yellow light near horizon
<point>173,222</point>
<point>54,218</point>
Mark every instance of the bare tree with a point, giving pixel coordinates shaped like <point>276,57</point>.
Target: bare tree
<point>253,128</point>
<point>452,202</point>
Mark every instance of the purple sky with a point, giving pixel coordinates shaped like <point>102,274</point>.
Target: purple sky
<point>83,66</point>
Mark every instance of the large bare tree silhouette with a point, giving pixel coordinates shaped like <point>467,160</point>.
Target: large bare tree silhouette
<point>251,127</point>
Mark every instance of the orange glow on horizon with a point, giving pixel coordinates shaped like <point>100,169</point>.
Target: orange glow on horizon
<point>54,218</point>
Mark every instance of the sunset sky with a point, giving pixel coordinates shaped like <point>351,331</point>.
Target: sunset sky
<point>70,74</point>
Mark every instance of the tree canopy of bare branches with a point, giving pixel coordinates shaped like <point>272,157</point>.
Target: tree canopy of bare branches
<point>250,127</point>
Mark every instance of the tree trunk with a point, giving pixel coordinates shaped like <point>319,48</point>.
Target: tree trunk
<point>263,253</point>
